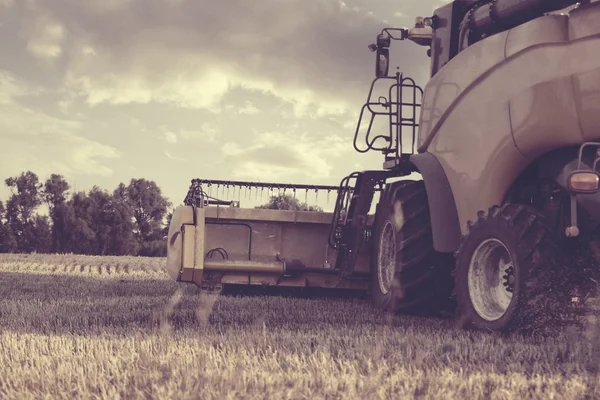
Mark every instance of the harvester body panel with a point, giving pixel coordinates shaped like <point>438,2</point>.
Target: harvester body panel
<point>510,98</point>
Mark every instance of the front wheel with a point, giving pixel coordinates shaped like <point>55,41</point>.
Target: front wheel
<point>408,275</point>
<point>508,272</point>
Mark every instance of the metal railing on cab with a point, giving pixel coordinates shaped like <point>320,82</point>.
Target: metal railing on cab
<point>400,107</point>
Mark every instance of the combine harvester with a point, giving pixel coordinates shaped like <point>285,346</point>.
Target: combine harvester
<point>503,138</point>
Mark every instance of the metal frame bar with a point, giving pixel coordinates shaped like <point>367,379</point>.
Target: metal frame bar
<point>394,112</point>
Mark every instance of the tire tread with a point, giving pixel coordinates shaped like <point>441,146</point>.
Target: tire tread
<point>421,284</point>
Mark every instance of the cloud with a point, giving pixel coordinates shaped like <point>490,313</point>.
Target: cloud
<point>170,137</point>
<point>174,158</point>
<point>57,151</point>
<point>45,38</point>
<point>276,155</point>
<point>249,109</point>
<point>310,54</point>
<point>44,143</point>
<point>204,132</point>
<point>11,88</point>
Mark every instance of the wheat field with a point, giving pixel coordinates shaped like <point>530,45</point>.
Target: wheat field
<point>118,327</point>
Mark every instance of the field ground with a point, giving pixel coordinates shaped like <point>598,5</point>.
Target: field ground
<point>109,327</point>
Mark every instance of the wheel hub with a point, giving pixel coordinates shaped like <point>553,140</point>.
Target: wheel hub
<point>386,260</point>
<point>491,279</point>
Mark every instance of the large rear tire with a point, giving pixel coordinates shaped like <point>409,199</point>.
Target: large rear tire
<point>508,272</point>
<point>408,275</point>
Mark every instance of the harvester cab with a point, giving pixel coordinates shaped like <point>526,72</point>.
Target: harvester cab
<point>505,136</point>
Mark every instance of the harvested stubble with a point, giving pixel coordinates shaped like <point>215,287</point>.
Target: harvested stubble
<point>134,333</point>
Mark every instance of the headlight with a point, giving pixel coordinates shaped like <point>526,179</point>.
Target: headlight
<point>584,181</point>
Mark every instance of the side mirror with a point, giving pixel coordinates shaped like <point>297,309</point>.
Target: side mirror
<point>584,181</point>
<point>383,62</point>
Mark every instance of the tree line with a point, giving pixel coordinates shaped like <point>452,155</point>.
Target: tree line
<point>131,220</point>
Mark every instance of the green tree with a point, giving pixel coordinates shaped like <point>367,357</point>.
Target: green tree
<point>8,243</point>
<point>97,223</point>
<point>149,210</point>
<point>288,202</point>
<point>55,195</point>
<point>110,218</point>
<point>20,209</point>
<point>42,232</point>
<point>79,235</point>
<point>122,237</point>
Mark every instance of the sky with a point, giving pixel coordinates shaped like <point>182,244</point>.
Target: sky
<point>103,91</point>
